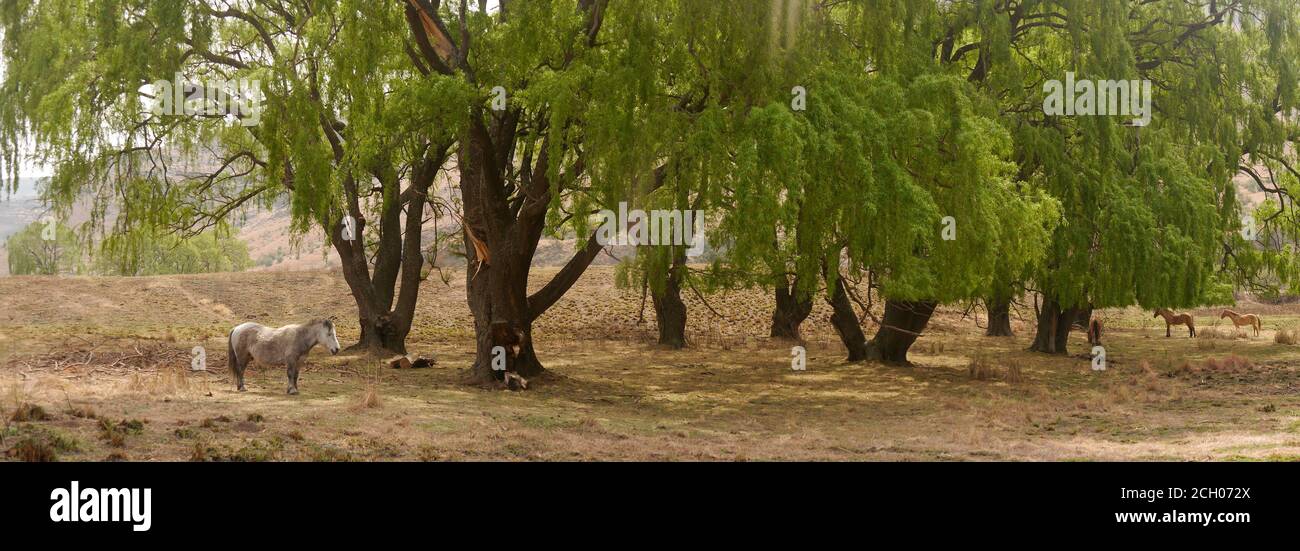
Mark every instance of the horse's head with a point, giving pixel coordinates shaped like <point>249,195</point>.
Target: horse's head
<point>326,336</point>
<point>1224,314</point>
<point>1157,313</point>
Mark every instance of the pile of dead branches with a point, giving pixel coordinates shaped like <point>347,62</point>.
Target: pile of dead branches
<point>91,358</point>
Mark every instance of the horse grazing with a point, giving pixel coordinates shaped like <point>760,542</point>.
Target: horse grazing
<point>1239,320</point>
<point>1174,318</point>
<point>286,345</point>
<point>1094,331</point>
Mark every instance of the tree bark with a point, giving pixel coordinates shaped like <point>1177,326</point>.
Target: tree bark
<point>846,323</point>
<point>792,308</point>
<point>903,323</point>
<point>1054,324</point>
<point>999,317</point>
<point>670,311</point>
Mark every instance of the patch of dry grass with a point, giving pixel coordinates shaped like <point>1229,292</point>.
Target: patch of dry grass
<point>369,398</point>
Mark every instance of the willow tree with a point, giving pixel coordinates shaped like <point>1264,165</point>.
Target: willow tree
<point>560,125</point>
<point>889,151</point>
<point>180,116</point>
<point>43,248</point>
<point>1149,209</point>
<point>717,62</point>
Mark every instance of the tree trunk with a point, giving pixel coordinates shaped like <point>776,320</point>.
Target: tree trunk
<point>792,307</point>
<point>495,296</point>
<point>385,311</point>
<point>846,323</point>
<point>903,323</point>
<point>999,317</point>
<point>497,285</point>
<point>1054,324</point>
<point>670,311</point>
<point>1082,317</point>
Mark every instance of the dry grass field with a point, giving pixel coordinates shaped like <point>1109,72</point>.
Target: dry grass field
<point>95,369</point>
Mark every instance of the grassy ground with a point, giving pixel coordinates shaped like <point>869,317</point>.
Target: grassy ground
<point>98,369</point>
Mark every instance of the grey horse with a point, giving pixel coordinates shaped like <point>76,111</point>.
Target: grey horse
<point>286,345</point>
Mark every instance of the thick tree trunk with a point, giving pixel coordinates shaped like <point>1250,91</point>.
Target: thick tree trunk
<point>1054,324</point>
<point>497,286</point>
<point>670,311</point>
<point>494,297</point>
<point>845,321</point>
<point>903,323</point>
<point>792,308</point>
<point>999,317</point>
<point>381,335</point>
<point>670,314</point>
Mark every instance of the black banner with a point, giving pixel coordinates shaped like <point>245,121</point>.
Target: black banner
<point>141,502</point>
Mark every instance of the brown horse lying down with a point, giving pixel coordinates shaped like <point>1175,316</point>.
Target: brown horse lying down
<point>286,345</point>
<point>1176,318</point>
<point>1239,320</point>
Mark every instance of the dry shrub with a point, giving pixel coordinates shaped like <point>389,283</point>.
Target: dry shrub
<point>369,398</point>
<point>1148,378</point>
<point>199,454</point>
<point>980,369</point>
<point>1147,384</point>
<point>33,450</point>
<point>29,412</point>
<point>165,381</point>
<point>1231,363</point>
<point>1014,375</point>
<point>1286,336</point>
<point>1207,333</point>
<point>115,434</point>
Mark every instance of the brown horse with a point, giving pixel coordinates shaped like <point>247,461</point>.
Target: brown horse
<point>1094,331</point>
<point>1173,318</point>
<point>1239,320</point>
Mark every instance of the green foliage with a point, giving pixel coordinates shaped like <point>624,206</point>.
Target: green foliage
<point>917,110</point>
<point>43,248</point>
<point>140,253</point>
<point>50,249</point>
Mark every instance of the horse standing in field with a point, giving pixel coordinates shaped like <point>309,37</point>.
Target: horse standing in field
<point>1239,320</point>
<point>1175,318</point>
<point>286,345</point>
<point>1094,331</point>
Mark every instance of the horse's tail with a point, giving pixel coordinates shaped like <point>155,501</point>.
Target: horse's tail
<point>231,358</point>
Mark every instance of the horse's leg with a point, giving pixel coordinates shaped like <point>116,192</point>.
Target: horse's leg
<point>240,364</point>
<point>293,377</point>
<point>1167,325</point>
<point>1191,329</point>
